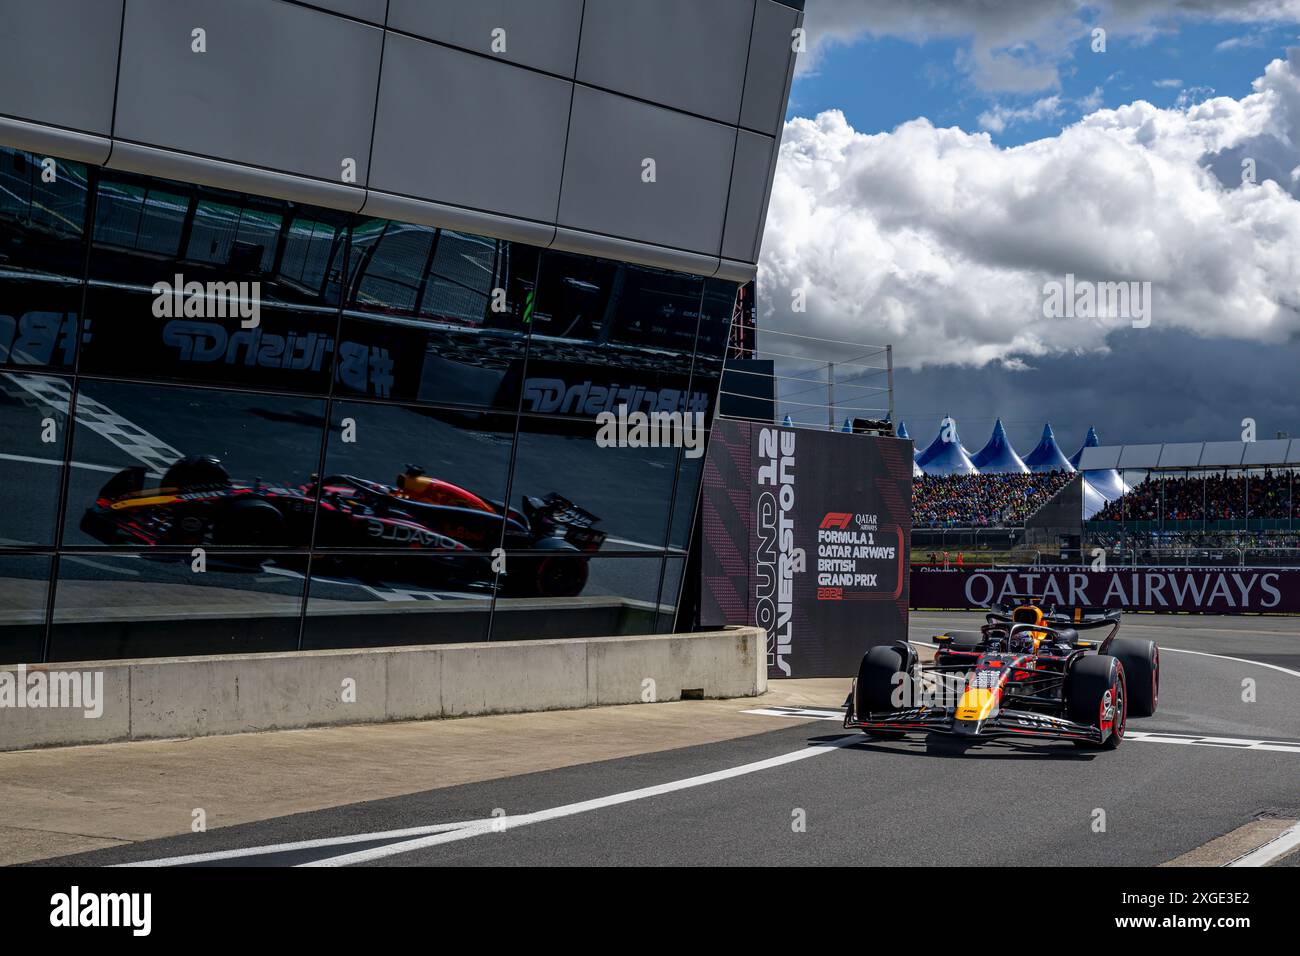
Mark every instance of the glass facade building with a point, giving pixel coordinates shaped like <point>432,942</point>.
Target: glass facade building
<point>391,440</point>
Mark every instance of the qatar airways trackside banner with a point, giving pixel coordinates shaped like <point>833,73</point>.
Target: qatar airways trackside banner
<point>1195,590</point>
<point>806,534</point>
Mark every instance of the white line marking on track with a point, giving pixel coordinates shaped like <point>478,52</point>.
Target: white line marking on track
<point>102,566</point>
<point>806,712</point>
<point>58,463</point>
<point>1281,845</point>
<point>299,845</point>
<point>509,823</point>
<point>1205,740</point>
<point>1239,660</point>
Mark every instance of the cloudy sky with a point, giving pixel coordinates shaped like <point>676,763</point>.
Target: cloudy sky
<point>944,160</point>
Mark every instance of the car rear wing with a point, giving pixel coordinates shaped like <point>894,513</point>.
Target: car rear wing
<point>1082,618</point>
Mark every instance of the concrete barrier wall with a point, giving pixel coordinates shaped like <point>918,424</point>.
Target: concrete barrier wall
<point>196,696</point>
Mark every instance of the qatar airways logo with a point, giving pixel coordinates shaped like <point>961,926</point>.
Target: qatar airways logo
<point>778,560</point>
<point>1178,589</point>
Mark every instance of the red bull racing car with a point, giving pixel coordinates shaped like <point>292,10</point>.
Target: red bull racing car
<point>197,503</point>
<point>1030,671</point>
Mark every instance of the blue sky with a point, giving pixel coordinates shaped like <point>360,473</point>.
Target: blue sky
<point>880,83</point>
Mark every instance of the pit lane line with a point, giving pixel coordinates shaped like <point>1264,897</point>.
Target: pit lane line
<point>452,832</point>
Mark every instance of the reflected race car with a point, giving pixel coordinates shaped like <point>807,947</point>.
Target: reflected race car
<point>1027,672</point>
<point>197,503</point>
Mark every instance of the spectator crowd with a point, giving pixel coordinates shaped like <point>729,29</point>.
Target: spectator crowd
<point>1208,498</point>
<point>982,501</point>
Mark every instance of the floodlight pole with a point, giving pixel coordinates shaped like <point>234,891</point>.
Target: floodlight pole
<point>889,365</point>
<point>830,394</point>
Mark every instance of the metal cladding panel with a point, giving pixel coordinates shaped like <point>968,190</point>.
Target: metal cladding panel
<point>767,73</point>
<point>1180,455</point>
<point>609,139</point>
<point>542,34</point>
<point>1100,458</point>
<point>458,128</point>
<point>1140,456</point>
<point>749,173</point>
<point>681,53</point>
<point>1224,454</point>
<point>58,61</point>
<point>1270,451</point>
<point>280,86</point>
<point>372,11</point>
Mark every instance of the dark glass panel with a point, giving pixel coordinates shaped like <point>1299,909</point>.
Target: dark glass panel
<point>607,334</point>
<point>415,477</point>
<point>424,320</point>
<point>376,600</point>
<point>24,591</point>
<point>586,597</point>
<point>670,593</point>
<point>197,284</point>
<point>159,605</point>
<point>33,436</point>
<point>42,258</point>
<point>689,473</point>
<point>627,490</point>
<point>143,478</point>
<point>715,326</point>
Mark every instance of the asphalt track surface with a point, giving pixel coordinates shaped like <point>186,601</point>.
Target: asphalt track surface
<point>861,802</point>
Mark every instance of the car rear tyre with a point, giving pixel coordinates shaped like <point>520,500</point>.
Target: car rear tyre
<point>1095,695</point>
<point>1141,660</point>
<point>562,573</point>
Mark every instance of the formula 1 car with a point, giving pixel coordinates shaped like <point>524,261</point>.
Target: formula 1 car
<point>1027,672</point>
<point>197,503</point>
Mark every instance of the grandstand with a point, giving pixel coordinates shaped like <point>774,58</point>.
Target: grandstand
<point>1156,504</point>
<point>982,501</point>
<point>994,504</point>
<point>1201,503</point>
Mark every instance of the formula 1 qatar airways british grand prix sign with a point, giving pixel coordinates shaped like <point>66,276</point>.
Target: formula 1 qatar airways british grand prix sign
<point>806,535</point>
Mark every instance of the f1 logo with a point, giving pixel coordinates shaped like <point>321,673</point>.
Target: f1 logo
<point>836,519</point>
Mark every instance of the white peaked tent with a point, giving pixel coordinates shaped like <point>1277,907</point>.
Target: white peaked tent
<point>1089,441</point>
<point>901,432</point>
<point>1093,500</point>
<point>939,445</point>
<point>1047,455</point>
<point>1099,487</point>
<point>998,457</point>
<point>947,457</point>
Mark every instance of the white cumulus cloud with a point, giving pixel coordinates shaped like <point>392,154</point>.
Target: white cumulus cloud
<point>940,242</point>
